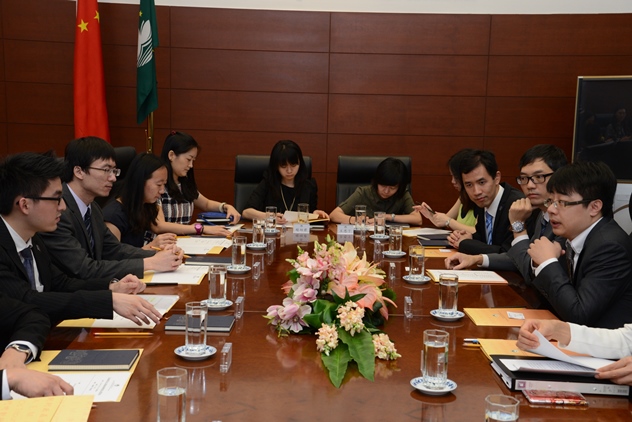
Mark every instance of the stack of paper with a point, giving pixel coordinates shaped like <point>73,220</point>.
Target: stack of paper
<point>469,276</point>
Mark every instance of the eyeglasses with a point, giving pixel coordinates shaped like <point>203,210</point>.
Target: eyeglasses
<point>565,204</point>
<point>537,179</point>
<point>46,198</point>
<point>109,171</point>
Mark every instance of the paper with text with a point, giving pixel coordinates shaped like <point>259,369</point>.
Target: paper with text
<point>186,274</point>
<point>203,245</point>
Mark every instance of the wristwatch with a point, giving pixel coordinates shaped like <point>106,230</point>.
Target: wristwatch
<point>199,228</point>
<point>24,349</point>
<point>517,226</point>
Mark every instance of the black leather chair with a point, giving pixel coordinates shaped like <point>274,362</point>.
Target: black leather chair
<point>249,171</point>
<point>355,171</point>
<point>123,157</point>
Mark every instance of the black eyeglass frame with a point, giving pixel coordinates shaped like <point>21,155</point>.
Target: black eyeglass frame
<point>109,171</point>
<point>44,198</point>
<point>532,179</point>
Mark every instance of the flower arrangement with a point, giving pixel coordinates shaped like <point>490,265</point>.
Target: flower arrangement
<point>342,298</point>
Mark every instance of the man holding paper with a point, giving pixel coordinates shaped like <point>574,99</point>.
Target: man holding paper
<point>589,279</point>
<point>30,202</point>
<point>598,342</point>
<point>536,167</point>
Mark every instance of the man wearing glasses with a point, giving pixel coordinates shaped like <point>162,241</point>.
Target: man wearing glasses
<point>82,246</point>
<point>536,165</point>
<point>588,280</point>
<point>30,203</point>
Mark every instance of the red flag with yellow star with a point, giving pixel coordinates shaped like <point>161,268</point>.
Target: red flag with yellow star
<point>91,114</point>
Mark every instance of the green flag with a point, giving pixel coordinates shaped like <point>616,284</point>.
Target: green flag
<point>146,89</point>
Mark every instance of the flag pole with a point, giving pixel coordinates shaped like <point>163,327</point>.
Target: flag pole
<point>149,133</point>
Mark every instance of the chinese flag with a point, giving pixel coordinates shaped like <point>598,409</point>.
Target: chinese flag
<point>91,115</point>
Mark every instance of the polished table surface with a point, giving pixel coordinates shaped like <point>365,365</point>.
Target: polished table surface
<point>283,379</point>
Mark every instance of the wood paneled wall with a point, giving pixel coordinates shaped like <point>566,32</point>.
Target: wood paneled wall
<point>337,83</point>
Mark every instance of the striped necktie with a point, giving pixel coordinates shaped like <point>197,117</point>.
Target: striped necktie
<point>489,221</point>
<point>27,260</point>
<point>570,260</point>
<point>87,220</point>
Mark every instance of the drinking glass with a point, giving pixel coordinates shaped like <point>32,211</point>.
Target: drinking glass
<point>196,319</point>
<point>271,213</point>
<point>395,239</point>
<point>501,408</point>
<point>172,394</point>
<point>258,234</point>
<point>379,221</point>
<point>303,213</point>
<point>417,256</point>
<point>360,215</point>
<point>217,285</point>
<point>238,259</point>
<point>434,359</point>
<point>448,293</point>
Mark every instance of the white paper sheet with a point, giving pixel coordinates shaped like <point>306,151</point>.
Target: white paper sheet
<point>104,386</point>
<point>201,245</point>
<point>547,349</point>
<point>484,277</point>
<point>422,231</point>
<point>162,303</point>
<point>186,274</point>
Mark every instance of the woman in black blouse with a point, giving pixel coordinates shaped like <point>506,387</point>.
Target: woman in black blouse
<point>285,184</point>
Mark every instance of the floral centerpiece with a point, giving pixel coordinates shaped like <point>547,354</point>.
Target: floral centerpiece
<point>342,298</point>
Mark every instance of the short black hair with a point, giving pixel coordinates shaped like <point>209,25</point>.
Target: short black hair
<point>591,180</point>
<point>473,158</point>
<point>552,155</point>
<point>392,172</point>
<point>26,174</point>
<point>83,152</point>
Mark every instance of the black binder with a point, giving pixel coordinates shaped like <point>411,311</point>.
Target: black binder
<point>524,380</point>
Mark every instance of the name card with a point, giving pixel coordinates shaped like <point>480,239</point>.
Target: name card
<point>301,228</point>
<point>300,238</point>
<point>346,229</point>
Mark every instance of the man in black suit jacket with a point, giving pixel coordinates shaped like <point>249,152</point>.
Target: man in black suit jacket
<point>481,180</point>
<point>90,172</point>
<point>528,216</point>
<point>23,329</point>
<point>587,281</point>
<point>30,202</point>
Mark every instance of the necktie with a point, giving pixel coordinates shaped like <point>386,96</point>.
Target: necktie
<point>570,260</point>
<point>87,220</point>
<point>27,257</point>
<point>488,227</point>
<point>545,224</point>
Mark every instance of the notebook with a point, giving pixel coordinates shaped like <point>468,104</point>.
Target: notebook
<point>215,323</point>
<point>94,360</point>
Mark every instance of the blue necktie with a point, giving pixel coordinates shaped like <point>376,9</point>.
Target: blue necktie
<point>88,222</point>
<point>545,224</point>
<point>27,257</point>
<point>489,220</point>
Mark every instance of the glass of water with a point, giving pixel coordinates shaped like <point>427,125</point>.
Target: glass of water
<point>360,217</point>
<point>196,320</point>
<point>379,224</point>
<point>172,394</point>
<point>217,285</point>
<point>448,293</point>
<point>434,359</point>
<point>501,408</point>
<point>271,213</point>
<point>258,234</point>
<point>395,239</point>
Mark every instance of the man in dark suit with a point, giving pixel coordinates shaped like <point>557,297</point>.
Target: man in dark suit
<point>481,180</point>
<point>536,167</point>
<point>23,329</point>
<point>588,280</point>
<point>31,202</point>
<point>82,246</point>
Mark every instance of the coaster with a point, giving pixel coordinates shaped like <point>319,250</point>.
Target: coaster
<point>418,383</point>
<point>416,279</point>
<point>182,352</point>
<point>447,317</point>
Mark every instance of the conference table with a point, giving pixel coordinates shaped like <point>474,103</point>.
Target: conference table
<point>283,378</point>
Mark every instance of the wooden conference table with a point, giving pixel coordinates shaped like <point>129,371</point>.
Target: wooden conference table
<point>283,379</point>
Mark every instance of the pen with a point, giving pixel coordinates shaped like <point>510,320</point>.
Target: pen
<point>160,249</point>
<point>130,334</point>
<point>429,209</point>
<point>470,340</point>
<point>161,284</point>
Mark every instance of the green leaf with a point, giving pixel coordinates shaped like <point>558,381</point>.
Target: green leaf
<point>336,363</point>
<point>361,350</point>
<point>313,320</point>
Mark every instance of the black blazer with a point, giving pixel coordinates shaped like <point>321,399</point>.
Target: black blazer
<point>63,297</point>
<point>68,246</point>
<point>501,234</point>
<point>600,294</point>
<point>22,322</point>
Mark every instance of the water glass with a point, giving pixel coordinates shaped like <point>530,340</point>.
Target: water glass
<point>417,258</point>
<point>172,394</point>
<point>196,319</point>
<point>303,213</point>
<point>360,217</point>
<point>395,239</point>
<point>258,234</point>
<point>271,213</point>
<point>434,359</point>
<point>448,293</point>
<point>501,408</point>
<point>217,285</point>
<point>238,259</point>
<point>379,221</point>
